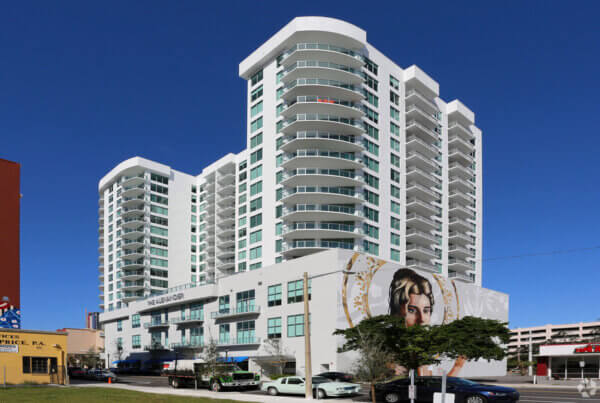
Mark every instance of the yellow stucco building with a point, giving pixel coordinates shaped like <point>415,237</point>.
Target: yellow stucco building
<point>32,356</point>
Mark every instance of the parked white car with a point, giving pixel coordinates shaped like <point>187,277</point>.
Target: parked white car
<point>322,387</point>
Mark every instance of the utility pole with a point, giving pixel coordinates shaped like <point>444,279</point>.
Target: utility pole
<point>530,369</point>
<point>307,355</point>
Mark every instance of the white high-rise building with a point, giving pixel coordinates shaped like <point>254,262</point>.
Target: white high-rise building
<point>345,149</point>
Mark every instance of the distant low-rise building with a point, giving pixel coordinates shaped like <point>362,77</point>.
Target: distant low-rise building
<point>84,346</point>
<point>571,332</point>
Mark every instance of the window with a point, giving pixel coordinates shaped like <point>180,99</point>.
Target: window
<point>136,341</point>
<point>256,156</point>
<point>371,214</point>
<point>159,178</point>
<point>295,325</point>
<point>296,291</point>
<point>159,189</point>
<point>371,131</point>
<point>256,93</point>
<point>371,147</point>
<point>394,83</point>
<point>257,124</point>
<point>159,262</point>
<point>394,113</point>
<point>278,177</point>
<point>372,99</point>
<point>278,211</point>
<point>242,220</point>
<point>159,199</point>
<point>256,109</point>
<point>371,231</point>
<point>256,172</point>
<point>245,332</point>
<point>255,188</point>
<point>159,252</point>
<point>372,115</point>
<point>371,82</point>
<point>242,165</point>
<point>255,236</point>
<point>278,194</point>
<point>371,180</point>
<point>256,140</point>
<point>39,365</point>
<point>224,333</point>
<point>119,325</point>
<point>274,295</point>
<point>394,129</point>
<point>159,231</point>
<point>394,144</point>
<point>371,197</point>
<point>224,304</point>
<point>255,266</point>
<point>256,78</point>
<point>395,175</point>
<point>135,321</point>
<point>395,207</point>
<point>371,247</point>
<point>395,191</point>
<point>255,220</point>
<point>371,163</point>
<point>395,239</point>
<point>245,301</point>
<point>395,255</point>
<point>26,365</point>
<point>159,220</point>
<point>394,98</point>
<point>242,243</point>
<point>256,253</point>
<point>159,210</point>
<point>242,255</point>
<point>395,160</point>
<point>395,223</point>
<point>278,245</point>
<point>279,228</point>
<point>372,67</point>
<point>274,328</point>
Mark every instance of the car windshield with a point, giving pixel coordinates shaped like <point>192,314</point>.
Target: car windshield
<point>463,382</point>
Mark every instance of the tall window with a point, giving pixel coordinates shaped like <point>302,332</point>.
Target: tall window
<point>136,341</point>
<point>296,291</point>
<point>274,297</point>
<point>224,333</point>
<point>295,325</point>
<point>245,301</point>
<point>135,320</point>
<point>274,328</point>
<point>224,304</point>
<point>245,332</point>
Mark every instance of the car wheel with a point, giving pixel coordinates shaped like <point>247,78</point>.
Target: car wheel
<point>175,383</point>
<point>215,386</point>
<point>321,394</point>
<point>475,399</point>
<point>392,398</point>
<point>272,391</point>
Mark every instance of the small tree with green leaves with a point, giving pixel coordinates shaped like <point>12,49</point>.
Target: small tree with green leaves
<point>211,356</point>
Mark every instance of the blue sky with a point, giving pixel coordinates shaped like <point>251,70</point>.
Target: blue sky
<point>85,85</point>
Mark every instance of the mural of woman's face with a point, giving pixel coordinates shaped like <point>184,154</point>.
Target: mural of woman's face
<point>418,310</point>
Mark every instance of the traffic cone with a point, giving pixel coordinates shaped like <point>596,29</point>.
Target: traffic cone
<point>109,380</point>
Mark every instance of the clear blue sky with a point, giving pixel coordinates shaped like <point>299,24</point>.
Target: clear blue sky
<point>85,85</point>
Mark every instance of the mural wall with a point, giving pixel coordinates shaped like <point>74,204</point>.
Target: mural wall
<point>10,317</point>
<point>376,287</point>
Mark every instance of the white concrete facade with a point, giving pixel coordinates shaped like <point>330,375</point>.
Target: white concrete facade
<point>241,312</point>
<point>581,331</point>
<point>345,149</point>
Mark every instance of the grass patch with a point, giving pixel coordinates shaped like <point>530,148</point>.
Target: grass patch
<point>94,395</point>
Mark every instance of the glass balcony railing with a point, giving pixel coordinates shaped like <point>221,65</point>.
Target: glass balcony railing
<point>322,64</point>
<point>331,208</point>
<point>322,46</point>
<point>323,118</point>
<point>320,153</point>
<point>324,189</point>
<point>324,100</point>
<point>322,135</point>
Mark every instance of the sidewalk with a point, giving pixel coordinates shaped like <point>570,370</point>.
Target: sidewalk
<point>205,393</point>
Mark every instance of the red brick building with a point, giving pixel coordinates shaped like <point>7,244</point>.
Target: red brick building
<point>10,195</point>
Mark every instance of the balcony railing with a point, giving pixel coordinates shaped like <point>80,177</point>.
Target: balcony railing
<point>324,189</point>
<point>330,208</point>
<point>187,344</point>
<point>418,94</point>
<point>321,46</point>
<point>197,318</point>
<point>155,347</point>
<point>322,135</point>
<point>156,323</point>
<point>231,341</point>
<point>329,172</point>
<point>323,118</point>
<point>246,310</point>
<point>324,100</point>
<point>322,226</point>
<point>321,64</point>
<point>320,153</point>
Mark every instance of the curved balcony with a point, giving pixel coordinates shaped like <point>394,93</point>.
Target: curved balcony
<point>302,247</point>
<point>134,211</point>
<point>133,233</point>
<point>462,198</point>
<point>456,210</point>
<point>421,161</point>
<point>227,242</point>
<point>329,212</point>
<point>132,264</point>
<point>133,285</point>
<point>322,104</point>
<point>187,345</point>
<point>314,176</point>
<point>461,171</point>
<point>226,200</point>
<point>132,222</point>
<point>416,205</point>
<point>243,310</point>
<point>322,86</point>
<point>224,253</point>
<point>132,191</point>
<point>321,140</point>
<point>421,237</point>
<point>459,143</point>
<point>311,229</point>
<point>322,159</point>
<point>424,193</point>
<point>429,135</point>
<point>225,264</point>
<point>415,97</point>
<point>132,180</point>
<point>226,222</point>
<point>455,155</point>
<point>460,252</point>
<point>132,274</point>
<point>226,232</point>
<point>132,201</point>
<point>455,128</point>
<point>459,238</point>
<point>333,53</point>
<point>414,174</point>
<point>420,252</point>
<point>461,184</point>
<point>322,69</point>
<point>226,179</point>
<point>459,265</point>
<point>420,265</point>
<point>414,143</point>
<point>322,194</point>
<point>464,277</point>
<point>133,243</point>
<point>420,222</point>
<point>428,119</point>
<point>314,122</point>
<point>132,254</point>
<point>226,211</point>
<point>458,224</point>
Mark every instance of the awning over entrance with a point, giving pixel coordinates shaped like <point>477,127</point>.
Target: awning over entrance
<point>232,359</point>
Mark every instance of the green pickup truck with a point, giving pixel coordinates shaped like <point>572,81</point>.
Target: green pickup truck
<point>198,373</point>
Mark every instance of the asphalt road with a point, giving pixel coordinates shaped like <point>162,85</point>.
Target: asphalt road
<point>528,394</point>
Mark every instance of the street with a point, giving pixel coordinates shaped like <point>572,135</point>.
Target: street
<point>529,393</point>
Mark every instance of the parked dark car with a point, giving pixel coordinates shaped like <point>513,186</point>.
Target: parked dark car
<point>76,372</point>
<point>337,376</point>
<point>102,375</point>
<point>465,391</point>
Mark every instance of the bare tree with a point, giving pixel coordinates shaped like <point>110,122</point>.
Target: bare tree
<point>120,351</point>
<point>372,365</point>
<point>210,355</point>
<point>278,353</point>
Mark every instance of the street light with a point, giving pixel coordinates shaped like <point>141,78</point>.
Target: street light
<point>582,365</point>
